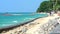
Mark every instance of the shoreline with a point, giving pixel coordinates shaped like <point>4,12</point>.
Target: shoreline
<point>14,26</point>
<point>36,26</point>
<point>43,27</point>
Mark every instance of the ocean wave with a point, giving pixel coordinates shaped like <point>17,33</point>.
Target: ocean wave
<point>15,21</point>
<point>16,14</point>
<point>28,18</point>
<point>20,14</point>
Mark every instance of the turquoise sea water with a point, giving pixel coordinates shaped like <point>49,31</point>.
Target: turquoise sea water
<point>17,18</point>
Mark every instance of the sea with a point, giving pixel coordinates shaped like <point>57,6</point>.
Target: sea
<point>18,18</point>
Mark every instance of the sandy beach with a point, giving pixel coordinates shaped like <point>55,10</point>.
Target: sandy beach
<point>38,26</point>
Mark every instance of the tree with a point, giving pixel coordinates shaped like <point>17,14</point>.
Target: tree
<point>56,4</point>
<point>45,6</point>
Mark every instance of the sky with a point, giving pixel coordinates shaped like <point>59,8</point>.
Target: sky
<point>19,5</point>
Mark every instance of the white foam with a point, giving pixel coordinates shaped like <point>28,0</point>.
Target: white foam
<point>15,21</point>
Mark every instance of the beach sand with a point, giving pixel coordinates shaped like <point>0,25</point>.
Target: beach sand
<point>32,27</point>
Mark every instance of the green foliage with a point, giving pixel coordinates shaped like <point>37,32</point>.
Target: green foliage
<point>47,6</point>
